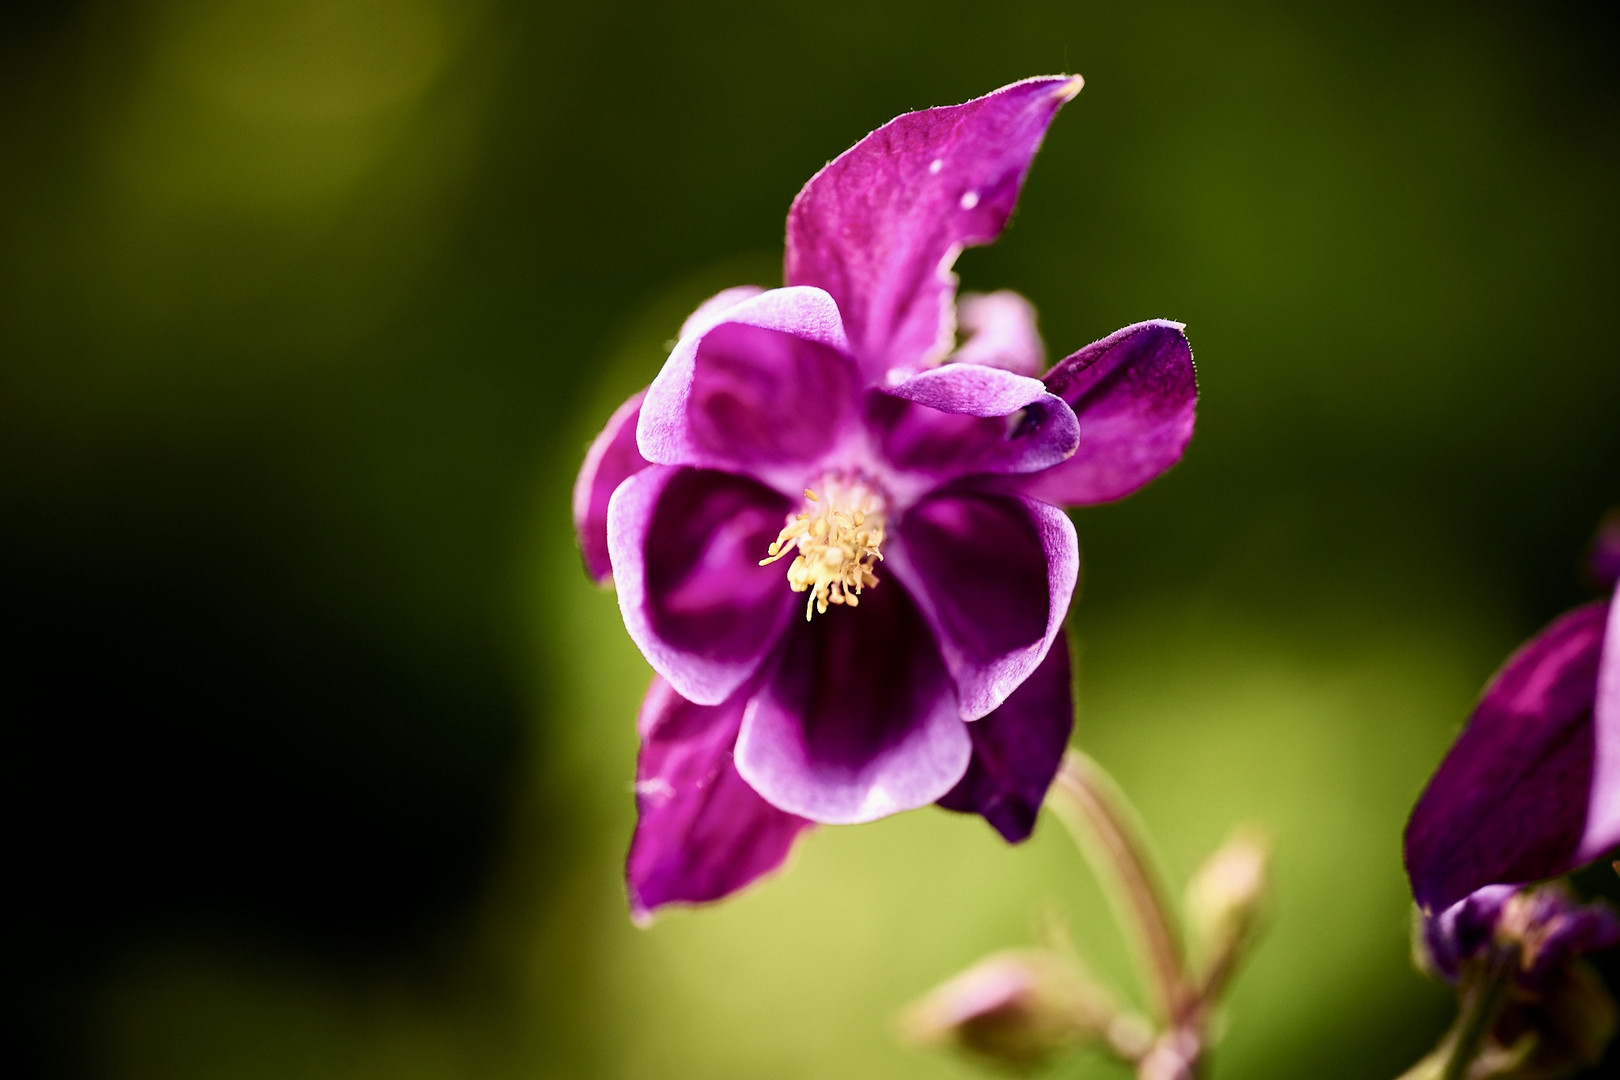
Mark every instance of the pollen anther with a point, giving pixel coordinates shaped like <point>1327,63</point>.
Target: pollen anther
<point>837,543</point>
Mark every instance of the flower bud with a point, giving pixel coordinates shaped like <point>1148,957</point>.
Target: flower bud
<point>1015,1009</point>
<point>1227,895</point>
<point>1174,1056</point>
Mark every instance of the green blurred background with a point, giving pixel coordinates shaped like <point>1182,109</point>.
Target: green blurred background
<point>317,744</point>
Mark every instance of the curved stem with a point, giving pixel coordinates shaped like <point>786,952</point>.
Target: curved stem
<point>1093,808</point>
<point>1479,1009</point>
<point>1427,1069</point>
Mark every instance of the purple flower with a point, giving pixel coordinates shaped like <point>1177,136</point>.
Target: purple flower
<point>835,533</point>
<point>1547,927</point>
<point>1530,1006</point>
<point>1531,789</point>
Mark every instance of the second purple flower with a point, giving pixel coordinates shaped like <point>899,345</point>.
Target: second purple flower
<point>1531,789</point>
<point>836,532</point>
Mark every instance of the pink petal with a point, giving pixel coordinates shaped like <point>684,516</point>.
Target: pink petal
<point>1136,396</point>
<point>611,459</point>
<point>764,388</point>
<point>1604,557</point>
<point>701,832</point>
<point>881,225</point>
<point>1509,803</point>
<point>1603,812</point>
<point>858,720</point>
<point>993,576</point>
<point>686,545</point>
<point>999,331</point>
<point>1017,749</point>
<point>964,419</point>
<point>711,310</point>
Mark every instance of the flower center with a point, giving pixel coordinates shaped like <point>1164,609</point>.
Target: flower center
<point>838,540</point>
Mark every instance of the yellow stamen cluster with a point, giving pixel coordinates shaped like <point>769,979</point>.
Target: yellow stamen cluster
<point>837,541</point>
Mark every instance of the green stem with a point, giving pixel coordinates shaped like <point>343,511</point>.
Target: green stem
<point>1478,1015</point>
<point>1093,808</point>
<point>1429,1068</point>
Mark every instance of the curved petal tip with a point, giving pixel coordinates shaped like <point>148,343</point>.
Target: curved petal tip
<point>702,834</point>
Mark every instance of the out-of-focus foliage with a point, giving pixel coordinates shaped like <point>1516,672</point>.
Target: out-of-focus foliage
<point>318,743</point>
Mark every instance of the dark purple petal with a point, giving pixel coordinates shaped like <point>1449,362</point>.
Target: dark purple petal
<point>998,330</point>
<point>764,390</point>
<point>701,832</point>
<point>1548,925</point>
<point>858,720</point>
<point>1603,811</point>
<point>965,419</point>
<point>686,545</point>
<point>1017,750</point>
<point>1560,930</point>
<point>1509,803</point>
<point>1604,557</point>
<point>1464,930</point>
<point>993,575</point>
<point>611,459</point>
<point>1135,394</point>
<point>710,311</point>
<point>880,226</point>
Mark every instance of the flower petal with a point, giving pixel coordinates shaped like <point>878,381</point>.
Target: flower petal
<point>1136,395</point>
<point>701,832</point>
<point>611,459</point>
<point>965,419</point>
<point>993,575</point>
<point>858,720</point>
<point>1604,557</point>
<point>764,389</point>
<point>710,311</point>
<point>999,331</point>
<point>614,455</point>
<point>1509,803</point>
<point>1561,931</point>
<point>1603,811</point>
<point>1017,750</point>
<point>881,224</point>
<point>686,545</point>
<point>1456,935</point>
<point>1553,929</point>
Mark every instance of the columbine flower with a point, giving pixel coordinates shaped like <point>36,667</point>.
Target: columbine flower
<point>838,542</point>
<point>1531,789</point>
<point>1534,1008</point>
<point>1545,927</point>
